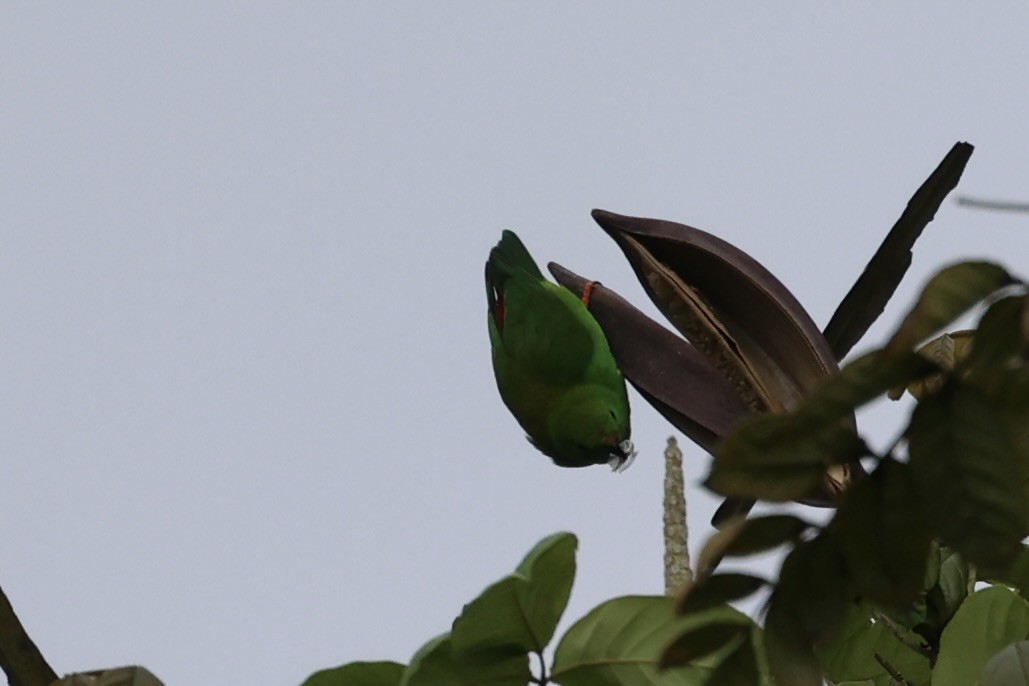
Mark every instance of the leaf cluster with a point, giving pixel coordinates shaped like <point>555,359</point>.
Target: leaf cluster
<point>883,592</point>
<point>618,642</point>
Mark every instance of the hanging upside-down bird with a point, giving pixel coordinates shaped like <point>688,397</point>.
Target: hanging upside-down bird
<point>554,369</point>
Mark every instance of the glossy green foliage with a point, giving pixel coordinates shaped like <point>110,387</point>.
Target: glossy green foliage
<point>518,614</point>
<point>359,673</point>
<point>779,456</point>
<point>718,589</point>
<point>635,640</point>
<point>883,593</point>
<point>950,293</point>
<point>1009,667</point>
<point>748,537</point>
<point>437,664</point>
<point>492,639</point>
<point>970,486</point>
<point>621,641</point>
<point>852,655</point>
<point>883,536</point>
<point>985,623</point>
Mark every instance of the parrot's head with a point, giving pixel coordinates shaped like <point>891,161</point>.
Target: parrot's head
<point>591,426</point>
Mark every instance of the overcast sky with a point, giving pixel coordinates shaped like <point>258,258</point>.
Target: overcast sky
<point>249,424</point>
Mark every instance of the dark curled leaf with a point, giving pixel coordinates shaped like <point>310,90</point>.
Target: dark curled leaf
<point>873,289</point>
<point>739,316</point>
<point>727,304</point>
<point>949,294</point>
<point>968,474</point>
<point>701,641</point>
<point>717,589</point>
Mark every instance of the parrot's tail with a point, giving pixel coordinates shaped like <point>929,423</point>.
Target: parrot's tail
<point>507,259</point>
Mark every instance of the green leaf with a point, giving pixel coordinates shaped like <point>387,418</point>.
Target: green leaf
<point>1017,573</point>
<point>694,644</point>
<point>782,456</point>
<point>868,296</point>
<point>518,614</point>
<point>950,590</point>
<point>739,668</point>
<point>774,457</point>
<point>860,382</point>
<point>436,665</point>
<point>986,622</point>
<point>970,482</point>
<point>850,656</point>
<point>791,659</point>
<point>359,674</point>
<point>760,534</point>
<point>999,366</point>
<point>999,339</point>
<point>717,589</point>
<point>1009,667</point>
<point>740,537</point>
<point>949,294</point>
<point>882,534</point>
<point>807,608</point>
<point>620,641</point>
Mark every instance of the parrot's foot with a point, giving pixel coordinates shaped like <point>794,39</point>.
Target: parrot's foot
<point>587,292</point>
<point>622,457</point>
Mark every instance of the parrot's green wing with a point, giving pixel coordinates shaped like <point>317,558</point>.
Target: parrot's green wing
<point>538,325</point>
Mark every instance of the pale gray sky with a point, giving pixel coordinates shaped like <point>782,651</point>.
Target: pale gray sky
<point>249,426</point>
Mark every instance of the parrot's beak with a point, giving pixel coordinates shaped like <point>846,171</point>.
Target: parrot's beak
<point>621,456</point>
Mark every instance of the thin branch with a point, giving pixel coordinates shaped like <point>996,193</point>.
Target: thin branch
<point>677,554</point>
<point>892,671</point>
<point>902,635</point>
<point>543,679</point>
<point>20,659</point>
<point>999,205</point>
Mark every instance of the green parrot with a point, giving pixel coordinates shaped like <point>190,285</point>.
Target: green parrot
<point>554,369</point>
